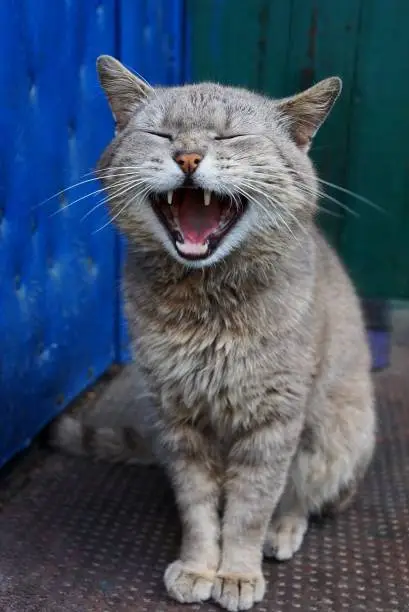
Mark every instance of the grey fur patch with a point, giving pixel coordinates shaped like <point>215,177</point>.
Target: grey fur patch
<point>246,347</point>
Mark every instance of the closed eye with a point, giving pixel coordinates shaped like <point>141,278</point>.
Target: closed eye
<point>231,136</point>
<point>159,134</point>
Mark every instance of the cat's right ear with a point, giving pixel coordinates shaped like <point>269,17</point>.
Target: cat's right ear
<point>124,90</point>
<point>305,112</point>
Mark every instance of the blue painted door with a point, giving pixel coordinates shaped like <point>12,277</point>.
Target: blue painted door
<point>60,321</point>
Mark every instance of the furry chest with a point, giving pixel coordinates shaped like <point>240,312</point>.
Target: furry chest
<point>217,376</point>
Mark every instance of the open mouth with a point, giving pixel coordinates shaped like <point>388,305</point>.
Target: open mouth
<point>196,219</point>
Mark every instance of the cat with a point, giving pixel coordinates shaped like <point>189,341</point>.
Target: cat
<point>246,326</point>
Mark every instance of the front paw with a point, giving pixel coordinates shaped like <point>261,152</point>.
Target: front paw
<point>188,585</point>
<point>238,591</point>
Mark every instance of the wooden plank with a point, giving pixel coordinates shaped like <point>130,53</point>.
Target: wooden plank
<point>376,246</point>
<point>238,43</point>
<point>323,42</point>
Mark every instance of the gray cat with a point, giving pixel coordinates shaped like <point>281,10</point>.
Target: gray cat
<point>246,325</point>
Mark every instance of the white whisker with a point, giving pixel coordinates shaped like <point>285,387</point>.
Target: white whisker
<point>272,216</point>
<point>112,197</point>
<point>84,197</point>
<point>317,193</point>
<point>277,205</point>
<point>323,194</point>
<point>84,182</point>
<point>139,194</point>
<point>353,194</point>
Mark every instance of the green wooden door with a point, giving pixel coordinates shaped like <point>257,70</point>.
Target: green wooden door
<point>281,46</point>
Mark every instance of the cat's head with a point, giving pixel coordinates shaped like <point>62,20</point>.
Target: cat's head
<point>202,170</point>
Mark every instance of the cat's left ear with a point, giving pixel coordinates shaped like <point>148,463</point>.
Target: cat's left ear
<point>124,90</point>
<point>305,112</point>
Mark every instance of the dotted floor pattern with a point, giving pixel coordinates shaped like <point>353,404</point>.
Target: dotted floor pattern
<point>86,537</point>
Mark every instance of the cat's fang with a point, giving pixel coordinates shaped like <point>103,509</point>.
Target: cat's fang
<point>170,197</point>
<point>192,249</point>
<point>207,195</point>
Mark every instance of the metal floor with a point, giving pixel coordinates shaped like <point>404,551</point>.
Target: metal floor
<point>84,537</point>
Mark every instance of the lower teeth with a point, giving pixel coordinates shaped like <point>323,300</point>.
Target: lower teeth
<point>190,248</point>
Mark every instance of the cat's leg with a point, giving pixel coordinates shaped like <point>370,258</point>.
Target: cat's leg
<point>287,527</point>
<point>289,523</point>
<point>331,460</point>
<point>191,577</point>
<point>256,475</point>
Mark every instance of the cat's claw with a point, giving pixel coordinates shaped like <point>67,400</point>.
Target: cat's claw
<point>239,592</point>
<point>186,585</point>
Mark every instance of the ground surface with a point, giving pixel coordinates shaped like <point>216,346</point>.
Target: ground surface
<point>78,536</point>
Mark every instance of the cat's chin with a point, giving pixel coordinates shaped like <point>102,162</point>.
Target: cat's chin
<point>197,220</point>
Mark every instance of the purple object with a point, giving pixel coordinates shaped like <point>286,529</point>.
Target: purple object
<point>377,314</point>
<point>379,343</point>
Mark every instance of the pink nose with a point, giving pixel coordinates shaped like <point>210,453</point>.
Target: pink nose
<point>188,162</point>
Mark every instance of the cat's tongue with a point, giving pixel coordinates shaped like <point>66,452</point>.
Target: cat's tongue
<point>196,220</point>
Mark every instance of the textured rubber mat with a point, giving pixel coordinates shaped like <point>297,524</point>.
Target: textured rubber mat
<point>88,537</point>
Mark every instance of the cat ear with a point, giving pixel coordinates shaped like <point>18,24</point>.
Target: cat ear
<point>123,89</point>
<point>305,112</point>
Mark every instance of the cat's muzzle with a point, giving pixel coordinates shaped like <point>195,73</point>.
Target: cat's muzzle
<point>196,219</point>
